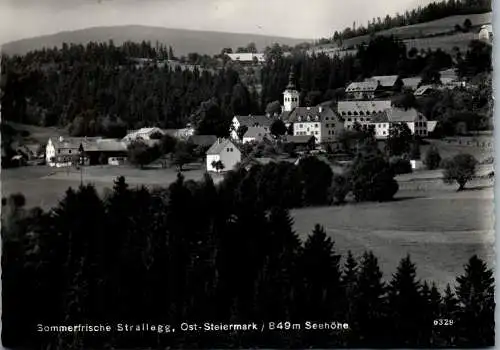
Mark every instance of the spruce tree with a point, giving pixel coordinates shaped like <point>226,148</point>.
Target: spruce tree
<point>369,309</point>
<point>476,316</point>
<point>406,302</point>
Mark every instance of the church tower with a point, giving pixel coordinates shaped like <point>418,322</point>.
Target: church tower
<point>290,95</point>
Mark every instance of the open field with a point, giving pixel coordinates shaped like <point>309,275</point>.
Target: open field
<point>44,186</point>
<point>415,35</point>
<point>440,230</point>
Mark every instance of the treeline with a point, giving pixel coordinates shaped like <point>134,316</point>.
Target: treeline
<point>89,84</point>
<point>433,11</point>
<point>196,252</point>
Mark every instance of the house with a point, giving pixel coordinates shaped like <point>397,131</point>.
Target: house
<point>416,122</point>
<point>247,57</point>
<point>363,90</point>
<point>249,121</point>
<point>66,152</point>
<point>225,151</point>
<point>143,133</point>
<point>60,152</point>
<point>321,122</point>
<point>486,33</point>
<point>360,111</point>
<point>255,134</point>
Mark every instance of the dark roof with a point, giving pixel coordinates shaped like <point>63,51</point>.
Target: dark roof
<point>299,139</point>
<point>255,120</point>
<point>219,145</point>
<point>396,115</point>
<point>305,113</point>
<point>202,140</point>
<point>255,131</point>
<point>89,143</point>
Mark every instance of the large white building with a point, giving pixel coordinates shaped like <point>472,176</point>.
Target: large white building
<point>416,122</point>
<point>225,151</point>
<point>321,122</point>
<point>360,111</point>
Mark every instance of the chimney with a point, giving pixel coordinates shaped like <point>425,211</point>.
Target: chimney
<point>61,139</point>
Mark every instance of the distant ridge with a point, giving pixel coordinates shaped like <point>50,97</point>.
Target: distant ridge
<point>183,41</point>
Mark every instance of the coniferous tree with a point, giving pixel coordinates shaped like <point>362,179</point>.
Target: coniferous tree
<point>406,302</point>
<point>475,291</point>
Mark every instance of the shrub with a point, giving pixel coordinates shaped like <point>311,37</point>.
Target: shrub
<point>432,158</point>
<point>400,165</point>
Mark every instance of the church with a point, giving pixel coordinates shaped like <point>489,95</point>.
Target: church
<point>319,121</point>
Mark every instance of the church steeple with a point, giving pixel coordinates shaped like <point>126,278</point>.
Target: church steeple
<point>290,95</point>
<point>291,80</point>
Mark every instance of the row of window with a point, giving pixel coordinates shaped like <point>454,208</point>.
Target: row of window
<point>229,149</point>
<point>300,126</point>
<point>291,99</point>
<point>420,124</point>
<point>360,112</point>
<point>358,119</point>
<point>302,133</point>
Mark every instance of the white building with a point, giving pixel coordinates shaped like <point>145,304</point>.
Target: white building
<point>144,134</point>
<point>416,122</point>
<point>225,151</point>
<point>255,134</point>
<point>321,122</point>
<point>486,33</point>
<point>249,121</point>
<point>360,111</point>
<point>247,57</point>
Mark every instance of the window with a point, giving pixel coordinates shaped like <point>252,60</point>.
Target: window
<point>349,119</point>
<point>326,118</point>
<point>316,125</point>
<point>69,151</point>
<point>316,132</point>
<point>333,132</point>
<point>361,119</point>
<point>58,151</point>
<point>343,112</point>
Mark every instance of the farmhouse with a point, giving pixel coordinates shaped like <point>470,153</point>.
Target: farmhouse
<point>255,134</point>
<point>363,90</point>
<point>60,152</point>
<point>226,152</point>
<point>249,121</point>
<point>305,142</point>
<point>415,121</point>
<point>360,111</point>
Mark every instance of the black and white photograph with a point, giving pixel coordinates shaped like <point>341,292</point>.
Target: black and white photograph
<point>235,174</point>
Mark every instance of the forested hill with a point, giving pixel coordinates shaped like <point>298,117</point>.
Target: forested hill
<point>183,41</point>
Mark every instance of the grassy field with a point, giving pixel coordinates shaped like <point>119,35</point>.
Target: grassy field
<point>414,35</point>
<point>440,230</point>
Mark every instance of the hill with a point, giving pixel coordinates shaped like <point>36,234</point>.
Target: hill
<point>182,41</point>
<point>432,35</point>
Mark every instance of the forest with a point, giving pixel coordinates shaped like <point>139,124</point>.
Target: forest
<point>199,252</point>
<point>97,89</point>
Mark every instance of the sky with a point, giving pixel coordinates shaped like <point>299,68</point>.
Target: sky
<point>308,19</point>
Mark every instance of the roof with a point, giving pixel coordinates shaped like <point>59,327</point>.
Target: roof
<point>219,145</point>
<point>89,143</point>
<point>362,86</point>
<point>312,114</point>
<point>255,131</point>
<point>254,120</point>
<point>300,139</point>
<point>487,27</point>
<point>423,89</point>
<point>396,115</point>
<point>412,82</point>
<point>142,131</point>
<point>364,106</point>
<point>110,145</point>
<point>431,125</point>
<point>384,80</point>
<point>202,140</point>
